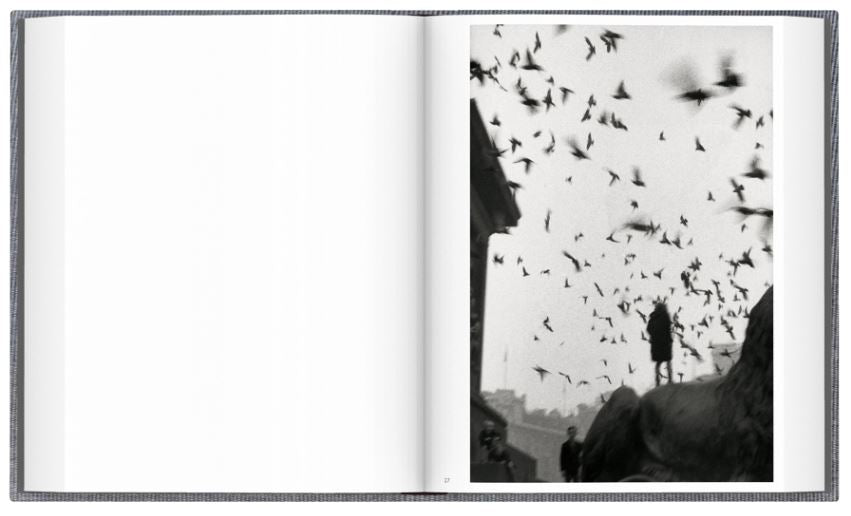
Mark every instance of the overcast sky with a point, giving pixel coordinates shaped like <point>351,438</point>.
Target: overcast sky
<point>678,178</point>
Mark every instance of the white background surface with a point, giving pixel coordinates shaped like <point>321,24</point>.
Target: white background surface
<point>644,508</point>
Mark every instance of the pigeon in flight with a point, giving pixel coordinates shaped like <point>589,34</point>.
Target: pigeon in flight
<point>541,372</point>
<point>591,49</point>
<point>621,93</point>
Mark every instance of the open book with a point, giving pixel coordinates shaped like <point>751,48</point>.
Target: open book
<point>388,254</point>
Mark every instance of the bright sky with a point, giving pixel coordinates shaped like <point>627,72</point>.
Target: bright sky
<point>678,181</point>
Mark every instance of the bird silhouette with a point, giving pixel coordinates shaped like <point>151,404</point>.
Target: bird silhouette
<point>741,114</point>
<point>578,153</point>
<point>755,172</point>
<point>591,49</point>
<point>530,64</point>
<point>621,93</point>
<point>610,39</point>
<point>548,100</point>
<point>636,177</point>
<point>514,143</point>
<point>542,373</point>
<point>573,260</point>
<point>729,78</point>
<point>613,175</point>
<point>738,190</point>
<point>527,164</point>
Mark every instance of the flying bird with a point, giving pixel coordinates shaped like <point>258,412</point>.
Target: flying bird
<point>636,178</point>
<point>755,171</point>
<point>729,78</point>
<point>591,49</point>
<point>621,93</point>
<point>527,164</point>
<point>613,175</point>
<point>572,259</point>
<point>741,114</point>
<point>610,39</point>
<point>548,100</point>
<point>541,372</point>
<point>578,153</point>
<point>738,189</point>
<point>514,144</point>
<point>530,64</point>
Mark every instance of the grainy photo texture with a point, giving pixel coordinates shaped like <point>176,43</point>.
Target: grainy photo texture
<point>621,254</point>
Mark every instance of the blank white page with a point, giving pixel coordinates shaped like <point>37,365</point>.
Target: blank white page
<point>235,249</point>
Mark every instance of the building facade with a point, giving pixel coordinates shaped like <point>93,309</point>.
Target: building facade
<point>492,209</point>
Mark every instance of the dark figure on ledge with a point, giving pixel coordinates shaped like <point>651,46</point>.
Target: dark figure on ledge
<point>659,330</point>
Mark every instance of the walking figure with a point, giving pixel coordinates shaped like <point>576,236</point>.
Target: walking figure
<point>571,453</point>
<point>659,330</point>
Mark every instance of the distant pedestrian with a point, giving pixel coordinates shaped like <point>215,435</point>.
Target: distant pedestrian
<point>570,456</point>
<point>659,330</point>
<point>486,438</point>
<point>499,454</point>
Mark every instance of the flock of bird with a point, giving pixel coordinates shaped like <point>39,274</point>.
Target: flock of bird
<point>522,78</point>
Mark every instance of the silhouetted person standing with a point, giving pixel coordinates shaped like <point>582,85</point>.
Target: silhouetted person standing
<point>570,456</point>
<point>659,329</point>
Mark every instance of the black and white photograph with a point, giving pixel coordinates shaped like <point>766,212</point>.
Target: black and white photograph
<point>621,259</point>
